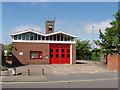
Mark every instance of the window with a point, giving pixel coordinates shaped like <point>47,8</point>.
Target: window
<point>58,37</point>
<point>51,50</point>
<point>39,37</point>
<point>36,54</point>
<point>62,50</point>
<point>47,38</point>
<point>43,38</point>
<point>50,27</point>
<point>27,36</point>
<point>57,50</point>
<point>51,55</point>
<point>23,36</point>
<point>51,37</point>
<point>65,37</point>
<point>61,37</point>
<point>68,50</point>
<point>54,37</point>
<point>19,36</point>
<point>68,55</point>
<point>68,38</point>
<point>15,37</point>
<point>31,36</point>
<point>35,36</point>
<point>62,55</point>
<point>72,39</point>
<point>57,55</point>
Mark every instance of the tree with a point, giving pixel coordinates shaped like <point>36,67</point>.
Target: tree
<point>110,40</point>
<point>83,48</point>
<point>9,49</point>
<point>96,52</point>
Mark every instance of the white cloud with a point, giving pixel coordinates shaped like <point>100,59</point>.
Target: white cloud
<point>26,27</point>
<point>61,24</point>
<point>101,25</point>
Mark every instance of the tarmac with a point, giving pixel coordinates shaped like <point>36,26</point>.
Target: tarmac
<point>51,71</point>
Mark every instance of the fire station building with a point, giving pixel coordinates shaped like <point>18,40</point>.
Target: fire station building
<point>32,47</point>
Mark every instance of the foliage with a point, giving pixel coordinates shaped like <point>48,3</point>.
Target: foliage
<point>96,54</point>
<point>9,49</point>
<point>83,49</point>
<point>110,40</point>
<point>3,68</point>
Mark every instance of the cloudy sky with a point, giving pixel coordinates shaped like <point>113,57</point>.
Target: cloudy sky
<point>72,17</point>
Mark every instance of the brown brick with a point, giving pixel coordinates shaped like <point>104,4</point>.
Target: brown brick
<point>27,47</point>
<point>73,53</point>
<point>114,62</point>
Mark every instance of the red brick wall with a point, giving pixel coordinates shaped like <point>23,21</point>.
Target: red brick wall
<point>73,53</point>
<point>26,48</point>
<point>47,28</point>
<point>114,62</point>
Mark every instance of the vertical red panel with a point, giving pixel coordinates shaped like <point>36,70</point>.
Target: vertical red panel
<point>60,54</point>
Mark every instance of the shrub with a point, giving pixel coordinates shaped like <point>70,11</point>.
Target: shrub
<point>3,68</point>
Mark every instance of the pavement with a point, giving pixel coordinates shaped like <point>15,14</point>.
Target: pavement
<point>83,70</point>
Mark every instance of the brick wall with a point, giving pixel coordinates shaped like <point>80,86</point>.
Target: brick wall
<point>73,53</point>
<point>26,48</point>
<point>113,62</point>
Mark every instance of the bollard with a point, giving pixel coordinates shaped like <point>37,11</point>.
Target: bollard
<point>28,72</point>
<point>43,72</point>
<point>14,71</point>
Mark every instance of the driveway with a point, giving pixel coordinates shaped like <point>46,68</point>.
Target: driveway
<point>82,66</point>
<point>83,70</point>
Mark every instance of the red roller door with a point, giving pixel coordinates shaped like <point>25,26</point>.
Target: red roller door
<point>59,53</point>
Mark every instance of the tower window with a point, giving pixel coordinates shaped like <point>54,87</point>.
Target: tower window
<point>50,27</point>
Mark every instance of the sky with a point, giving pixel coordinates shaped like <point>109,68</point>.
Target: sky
<point>76,18</point>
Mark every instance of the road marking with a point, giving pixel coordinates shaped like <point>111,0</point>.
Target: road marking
<point>61,81</point>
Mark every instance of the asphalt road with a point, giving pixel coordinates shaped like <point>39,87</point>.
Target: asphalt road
<point>113,83</point>
<point>94,80</point>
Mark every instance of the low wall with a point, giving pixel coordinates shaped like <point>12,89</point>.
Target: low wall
<point>113,62</point>
<point>8,58</point>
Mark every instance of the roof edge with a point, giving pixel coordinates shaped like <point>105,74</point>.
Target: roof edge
<point>30,30</point>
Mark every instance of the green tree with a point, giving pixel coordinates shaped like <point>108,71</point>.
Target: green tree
<point>110,40</point>
<point>83,48</point>
<point>9,49</point>
<point>96,52</point>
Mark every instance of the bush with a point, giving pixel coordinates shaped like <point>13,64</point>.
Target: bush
<point>3,68</point>
<point>96,54</point>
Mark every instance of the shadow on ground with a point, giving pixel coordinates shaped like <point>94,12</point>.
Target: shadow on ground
<point>81,63</point>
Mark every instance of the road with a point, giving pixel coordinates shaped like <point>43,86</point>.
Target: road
<point>94,80</point>
<point>113,83</point>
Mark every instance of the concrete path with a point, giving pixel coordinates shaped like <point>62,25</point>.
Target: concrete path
<point>65,69</point>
